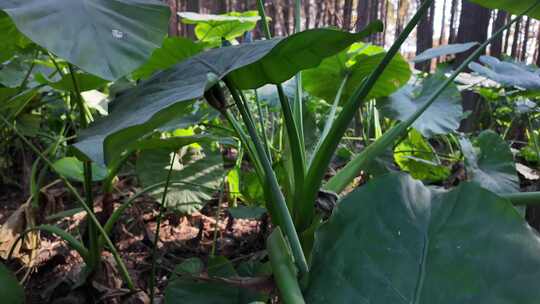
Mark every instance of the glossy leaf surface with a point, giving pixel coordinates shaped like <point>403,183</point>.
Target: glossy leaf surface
<point>414,244</point>
<point>106,38</point>
<point>357,62</point>
<point>158,100</point>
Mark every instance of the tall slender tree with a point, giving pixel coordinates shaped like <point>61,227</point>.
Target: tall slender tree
<point>424,36</point>
<point>497,45</point>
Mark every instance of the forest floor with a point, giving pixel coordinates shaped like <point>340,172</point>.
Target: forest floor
<point>56,269</point>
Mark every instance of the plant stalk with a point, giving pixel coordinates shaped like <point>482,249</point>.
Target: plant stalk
<point>162,207</point>
<point>283,216</point>
<point>324,154</point>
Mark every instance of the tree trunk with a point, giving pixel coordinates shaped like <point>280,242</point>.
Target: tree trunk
<point>473,26</point>
<point>424,36</point>
<point>525,40</point>
<point>307,13</point>
<point>320,14</point>
<point>287,17</point>
<point>347,14</point>
<point>442,38</point>
<point>515,41</point>
<point>497,45</point>
<point>191,6</point>
<point>452,30</point>
<point>362,14</point>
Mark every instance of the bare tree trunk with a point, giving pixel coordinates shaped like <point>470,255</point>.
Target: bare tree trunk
<point>287,9</point>
<point>385,20</point>
<point>347,14</point>
<point>191,6</point>
<point>507,37</point>
<point>443,25</point>
<point>453,14</point>
<point>473,26</point>
<point>537,58</point>
<point>401,14</point>
<point>515,41</point>
<point>173,22</point>
<point>497,45</point>
<point>220,7</point>
<point>362,14</point>
<point>424,36</point>
<point>374,15</point>
<point>525,40</point>
<point>307,13</point>
<point>320,14</point>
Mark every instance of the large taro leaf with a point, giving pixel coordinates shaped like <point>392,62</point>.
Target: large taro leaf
<point>442,117</point>
<point>173,51</point>
<point>10,289</point>
<point>415,155</point>
<point>108,38</point>
<point>513,6</point>
<point>213,28</point>
<point>490,163</point>
<point>395,240</point>
<point>358,61</point>
<point>509,74</point>
<point>200,171</point>
<point>158,100</point>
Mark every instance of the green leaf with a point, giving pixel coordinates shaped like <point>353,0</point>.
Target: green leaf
<point>199,169</point>
<point>357,62</point>
<point>442,117</point>
<point>515,7</point>
<point>173,51</point>
<point>10,289</point>
<point>212,28</point>
<point>12,39</point>
<point>247,212</point>
<point>509,74</point>
<point>412,244</point>
<point>190,290</point>
<point>73,169</point>
<point>445,50</point>
<point>416,156</point>
<point>85,81</point>
<point>106,38</point>
<point>158,100</point>
<point>490,163</point>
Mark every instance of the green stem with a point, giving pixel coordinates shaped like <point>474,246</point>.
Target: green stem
<point>162,207</point>
<point>263,124</point>
<point>87,172</point>
<point>264,21</point>
<point>294,127</point>
<point>283,216</point>
<point>283,269</point>
<point>534,138</point>
<point>79,199</point>
<point>523,198</point>
<point>324,154</point>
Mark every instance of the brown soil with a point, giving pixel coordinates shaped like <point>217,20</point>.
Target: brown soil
<point>57,269</point>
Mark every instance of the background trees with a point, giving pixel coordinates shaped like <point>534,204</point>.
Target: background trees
<point>449,21</point>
